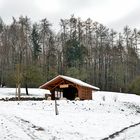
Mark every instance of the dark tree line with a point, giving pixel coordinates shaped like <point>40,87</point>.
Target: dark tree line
<point>32,53</point>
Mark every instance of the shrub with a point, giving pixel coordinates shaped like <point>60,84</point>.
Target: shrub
<point>134,87</point>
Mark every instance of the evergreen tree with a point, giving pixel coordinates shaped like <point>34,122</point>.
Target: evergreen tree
<point>36,44</point>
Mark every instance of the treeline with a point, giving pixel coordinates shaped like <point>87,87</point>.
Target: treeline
<point>32,53</point>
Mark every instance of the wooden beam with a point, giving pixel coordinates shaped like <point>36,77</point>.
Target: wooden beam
<point>57,85</point>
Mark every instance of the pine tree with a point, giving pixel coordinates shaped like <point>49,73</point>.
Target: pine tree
<point>36,44</point>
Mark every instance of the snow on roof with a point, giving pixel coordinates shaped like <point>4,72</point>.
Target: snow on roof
<point>73,80</point>
<point>79,82</point>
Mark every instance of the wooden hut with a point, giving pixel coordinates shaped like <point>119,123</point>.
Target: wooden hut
<point>70,88</point>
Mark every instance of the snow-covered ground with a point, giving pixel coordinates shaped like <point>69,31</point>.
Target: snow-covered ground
<point>6,93</point>
<point>108,115</point>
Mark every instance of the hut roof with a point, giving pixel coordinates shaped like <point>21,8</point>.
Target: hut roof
<point>70,79</point>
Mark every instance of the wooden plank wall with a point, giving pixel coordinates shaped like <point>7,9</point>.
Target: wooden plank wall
<point>84,93</point>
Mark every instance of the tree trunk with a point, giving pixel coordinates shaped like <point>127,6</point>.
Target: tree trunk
<point>19,91</point>
<point>26,87</point>
<point>16,90</point>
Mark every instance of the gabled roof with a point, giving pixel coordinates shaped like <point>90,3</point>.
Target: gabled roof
<point>70,79</point>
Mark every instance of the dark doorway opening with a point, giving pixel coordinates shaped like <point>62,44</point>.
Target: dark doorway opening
<point>70,93</point>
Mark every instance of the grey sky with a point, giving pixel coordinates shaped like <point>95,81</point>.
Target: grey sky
<point>112,13</point>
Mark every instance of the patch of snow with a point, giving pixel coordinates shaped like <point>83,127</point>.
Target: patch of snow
<point>115,96</point>
<point>33,92</point>
<point>78,120</point>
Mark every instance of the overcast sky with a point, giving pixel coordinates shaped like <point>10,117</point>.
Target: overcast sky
<point>112,13</point>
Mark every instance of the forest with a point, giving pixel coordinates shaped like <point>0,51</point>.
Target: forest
<point>33,53</point>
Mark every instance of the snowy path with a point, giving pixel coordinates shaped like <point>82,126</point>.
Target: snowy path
<point>127,132</point>
<point>132,133</point>
<point>15,128</point>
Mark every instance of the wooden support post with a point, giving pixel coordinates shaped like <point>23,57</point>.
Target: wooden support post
<point>55,102</point>
<point>56,109</point>
<point>53,95</point>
